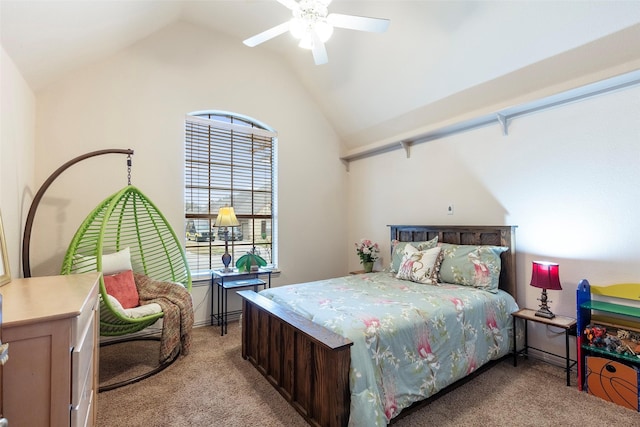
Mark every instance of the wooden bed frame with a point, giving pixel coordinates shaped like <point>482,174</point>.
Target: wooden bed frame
<point>308,364</point>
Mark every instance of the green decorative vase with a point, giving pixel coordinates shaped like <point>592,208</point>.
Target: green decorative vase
<point>368,266</point>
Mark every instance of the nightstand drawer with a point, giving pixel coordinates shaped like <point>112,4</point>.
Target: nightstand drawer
<point>612,381</point>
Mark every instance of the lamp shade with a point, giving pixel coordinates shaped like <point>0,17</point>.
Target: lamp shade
<point>226,218</point>
<point>545,275</point>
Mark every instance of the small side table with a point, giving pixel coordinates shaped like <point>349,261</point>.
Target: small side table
<point>566,323</point>
<point>233,280</point>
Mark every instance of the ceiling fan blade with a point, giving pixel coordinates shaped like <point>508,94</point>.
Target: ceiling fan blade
<point>319,52</point>
<point>289,4</point>
<point>360,23</point>
<point>267,35</point>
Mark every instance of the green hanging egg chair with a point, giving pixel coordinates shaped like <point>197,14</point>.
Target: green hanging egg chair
<point>127,219</point>
<point>125,222</point>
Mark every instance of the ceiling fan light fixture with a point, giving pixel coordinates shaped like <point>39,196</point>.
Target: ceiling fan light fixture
<point>309,23</point>
<point>324,30</point>
<point>298,28</point>
<point>308,32</point>
<point>312,25</point>
<point>306,43</point>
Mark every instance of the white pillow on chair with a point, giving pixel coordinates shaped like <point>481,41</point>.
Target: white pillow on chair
<point>117,262</point>
<point>135,312</point>
<point>111,263</point>
<point>143,310</point>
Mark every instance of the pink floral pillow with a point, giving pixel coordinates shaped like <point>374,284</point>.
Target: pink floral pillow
<point>420,266</point>
<point>398,251</point>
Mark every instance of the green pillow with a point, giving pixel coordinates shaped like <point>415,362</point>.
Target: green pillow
<point>397,251</point>
<point>470,265</point>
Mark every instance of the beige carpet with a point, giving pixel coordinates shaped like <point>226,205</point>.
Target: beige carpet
<point>214,386</point>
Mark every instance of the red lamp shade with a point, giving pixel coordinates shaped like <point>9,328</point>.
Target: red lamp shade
<point>545,275</point>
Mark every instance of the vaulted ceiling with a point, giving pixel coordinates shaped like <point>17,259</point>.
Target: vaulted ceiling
<point>438,60</point>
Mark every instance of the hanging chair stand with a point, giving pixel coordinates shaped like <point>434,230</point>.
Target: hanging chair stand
<point>161,367</point>
<point>125,219</point>
<point>26,237</point>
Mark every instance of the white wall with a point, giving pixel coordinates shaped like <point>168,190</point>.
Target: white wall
<point>569,178</point>
<point>17,129</point>
<point>138,99</point>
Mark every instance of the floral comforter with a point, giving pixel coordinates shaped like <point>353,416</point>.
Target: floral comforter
<point>410,339</point>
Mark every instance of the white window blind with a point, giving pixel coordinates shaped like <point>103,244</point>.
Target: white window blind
<point>229,161</point>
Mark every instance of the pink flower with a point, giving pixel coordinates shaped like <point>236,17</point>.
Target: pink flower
<point>471,358</point>
<point>491,321</point>
<point>406,268</point>
<point>457,302</point>
<point>390,402</point>
<point>424,347</point>
<point>390,408</point>
<point>472,365</point>
<point>482,273</point>
<point>459,306</point>
<point>367,250</point>
<point>371,322</point>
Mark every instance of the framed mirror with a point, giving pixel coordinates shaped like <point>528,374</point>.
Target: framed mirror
<point>5,274</point>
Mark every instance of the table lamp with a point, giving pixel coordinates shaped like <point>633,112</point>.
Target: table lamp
<point>226,218</point>
<point>545,276</point>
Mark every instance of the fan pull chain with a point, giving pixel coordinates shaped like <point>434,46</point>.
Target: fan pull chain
<point>129,169</point>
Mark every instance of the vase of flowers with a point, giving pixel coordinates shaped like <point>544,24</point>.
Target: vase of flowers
<point>368,252</point>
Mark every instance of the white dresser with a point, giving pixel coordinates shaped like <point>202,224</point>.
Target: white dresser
<point>52,327</point>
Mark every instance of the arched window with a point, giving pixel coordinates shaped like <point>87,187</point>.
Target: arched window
<point>229,161</point>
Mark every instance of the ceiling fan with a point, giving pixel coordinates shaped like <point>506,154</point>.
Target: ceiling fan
<point>313,25</point>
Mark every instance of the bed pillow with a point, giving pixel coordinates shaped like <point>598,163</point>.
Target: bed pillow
<point>398,252</point>
<point>122,287</point>
<point>420,266</point>
<point>471,265</point>
<point>407,249</point>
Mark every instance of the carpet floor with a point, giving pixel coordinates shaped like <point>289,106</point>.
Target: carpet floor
<point>214,386</point>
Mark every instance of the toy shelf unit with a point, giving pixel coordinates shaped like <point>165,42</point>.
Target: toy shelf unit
<point>608,342</point>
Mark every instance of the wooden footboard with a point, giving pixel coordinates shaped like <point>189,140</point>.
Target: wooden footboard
<point>306,363</point>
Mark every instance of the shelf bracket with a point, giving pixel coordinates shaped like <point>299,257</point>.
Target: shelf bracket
<point>504,122</point>
<point>345,162</point>
<point>407,147</point>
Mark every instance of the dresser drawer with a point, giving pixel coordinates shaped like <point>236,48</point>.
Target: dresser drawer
<point>86,316</point>
<point>82,371</point>
<point>80,414</point>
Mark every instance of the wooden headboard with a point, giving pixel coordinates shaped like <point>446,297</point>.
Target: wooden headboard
<point>498,235</point>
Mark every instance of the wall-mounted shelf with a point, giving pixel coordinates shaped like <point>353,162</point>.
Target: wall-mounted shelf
<point>503,117</point>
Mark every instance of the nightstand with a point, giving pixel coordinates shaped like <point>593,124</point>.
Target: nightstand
<point>234,280</point>
<point>566,323</point>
